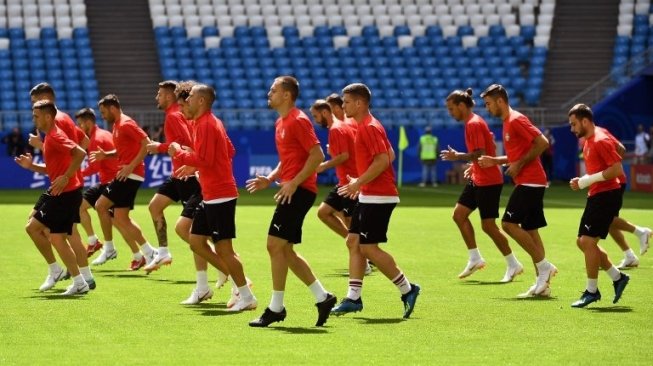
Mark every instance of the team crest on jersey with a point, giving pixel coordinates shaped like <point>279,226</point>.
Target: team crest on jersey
<point>282,133</point>
<point>507,137</point>
<point>587,151</point>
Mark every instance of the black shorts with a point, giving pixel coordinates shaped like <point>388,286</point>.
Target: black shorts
<point>178,189</point>
<point>191,206</point>
<point>600,210</point>
<point>370,221</point>
<point>122,194</point>
<point>92,194</point>
<point>288,218</point>
<point>485,198</point>
<point>46,196</point>
<point>216,220</point>
<point>526,207</point>
<point>339,203</point>
<point>58,213</point>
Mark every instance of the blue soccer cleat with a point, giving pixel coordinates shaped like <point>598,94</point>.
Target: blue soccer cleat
<point>587,298</point>
<point>347,306</point>
<point>620,286</point>
<point>409,299</point>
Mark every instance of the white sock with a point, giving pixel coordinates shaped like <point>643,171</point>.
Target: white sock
<point>137,256</point>
<point>202,280</point>
<point>86,273</point>
<point>543,265</point>
<point>614,273</point>
<point>592,285</point>
<point>147,249</point>
<point>54,267</point>
<point>511,260</point>
<point>92,239</point>
<point>355,289</point>
<point>318,291</point>
<point>639,231</point>
<point>245,292</point>
<point>163,251</point>
<point>474,255</point>
<point>79,280</point>
<point>276,302</point>
<point>402,283</point>
<point>629,254</point>
<point>108,246</point>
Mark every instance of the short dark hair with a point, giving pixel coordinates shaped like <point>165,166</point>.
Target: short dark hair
<point>581,111</point>
<point>360,90</point>
<point>334,99</point>
<point>182,91</point>
<point>496,91</point>
<point>207,91</point>
<point>109,100</point>
<point>86,113</point>
<point>169,85</point>
<point>42,88</point>
<point>289,84</point>
<point>321,105</point>
<point>459,96</point>
<point>46,106</point>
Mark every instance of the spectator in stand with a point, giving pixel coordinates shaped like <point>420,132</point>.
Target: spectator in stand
<point>15,142</point>
<point>642,145</point>
<point>547,156</point>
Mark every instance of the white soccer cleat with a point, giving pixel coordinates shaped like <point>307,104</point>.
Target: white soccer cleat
<point>644,240</point>
<point>198,296</point>
<point>51,280</point>
<point>472,266</point>
<point>628,263</point>
<point>242,305</point>
<point>76,289</point>
<point>368,268</point>
<point>544,279</point>
<point>235,295</point>
<point>105,256</point>
<point>158,262</point>
<point>512,272</point>
<point>222,279</point>
<point>149,259</point>
<point>531,293</point>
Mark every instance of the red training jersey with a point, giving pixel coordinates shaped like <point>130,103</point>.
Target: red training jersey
<point>212,156</point>
<point>295,137</point>
<point>56,154</point>
<point>372,140</point>
<point>107,168</point>
<point>622,177</point>
<point>478,136</point>
<point>71,130</point>
<point>599,152</point>
<point>127,137</point>
<point>518,136</point>
<point>341,140</point>
<point>175,129</point>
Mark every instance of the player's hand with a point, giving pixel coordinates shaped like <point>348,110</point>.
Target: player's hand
<point>573,184</point>
<point>24,160</point>
<point>351,189</point>
<point>35,141</point>
<point>486,161</point>
<point>124,173</point>
<point>514,169</point>
<point>185,171</point>
<point>258,183</point>
<point>467,174</point>
<point>449,154</point>
<point>58,185</point>
<point>320,168</point>
<point>97,155</point>
<point>284,195</point>
<point>173,148</point>
<point>153,147</point>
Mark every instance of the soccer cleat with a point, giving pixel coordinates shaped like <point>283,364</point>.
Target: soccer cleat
<point>544,279</point>
<point>105,255</point>
<point>587,298</point>
<point>198,296</point>
<point>91,284</point>
<point>512,272</point>
<point>243,305</point>
<point>409,299</point>
<point>235,296</point>
<point>51,280</point>
<point>628,263</point>
<point>150,258</point>
<point>76,289</point>
<point>472,266</point>
<point>620,286</point>
<point>222,279</point>
<point>531,293</point>
<point>268,318</point>
<point>368,269</point>
<point>644,240</point>
<point>158,262</point>
<point>136,264</point>
<point>348,306</point>
<point>92,248</point>
<point>324,309</point>
<point>66,276</point>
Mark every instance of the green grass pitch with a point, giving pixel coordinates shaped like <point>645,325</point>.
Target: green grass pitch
<point>134,319</point>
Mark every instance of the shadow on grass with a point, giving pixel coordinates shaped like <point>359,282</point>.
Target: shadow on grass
<point>481,283</point>
<point>300,330</point>
<point>344,274</point>
<point>216,312</point>
<point>530,298</point>
<point>379,320</point>
<point>172,282</point>
<point>57,295</point>
<point>612,309</point>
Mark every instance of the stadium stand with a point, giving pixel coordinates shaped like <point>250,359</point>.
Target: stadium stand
<point>634,36</point>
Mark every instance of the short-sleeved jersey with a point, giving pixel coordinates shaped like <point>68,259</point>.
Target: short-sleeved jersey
<point>56,154</point>
<point>518,136</point>
<point>175,129</point>
<point>600,152</point>
<point>127,137</point>
<point>342,136</point>
<point>372,140</point>
<point>622,178</point>
<point>107,168</point>
<point>212,156</point>
<point>478,136</point>
<point>71,130</point>
<point>295,137</point>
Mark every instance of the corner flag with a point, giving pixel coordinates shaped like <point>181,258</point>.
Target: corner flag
<point>403,145</point>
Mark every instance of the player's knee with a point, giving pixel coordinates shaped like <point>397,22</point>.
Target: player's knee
<point>323,213</point>
<point>507,227</point>
<point>489,226</point>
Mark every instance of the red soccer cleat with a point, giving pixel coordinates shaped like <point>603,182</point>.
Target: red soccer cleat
<point>137,264</point>
<point>92,248</point>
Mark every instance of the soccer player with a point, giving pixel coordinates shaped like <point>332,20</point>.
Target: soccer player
<point>174,189</point>
<point>604,200</point>
<point>377,196</point>
<point>299,155</point>
<point>524,214</point>
<point>335,102</point>
<point>483,189</point>
<point>131,142</point>
<point>59,207</point>
<point>106,169</point>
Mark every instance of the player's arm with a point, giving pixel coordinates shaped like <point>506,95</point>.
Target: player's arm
<point>621,149</point>
<point>58,185</point>
<point>26,161</point>
<point>126,170</point>
<point>333,162</point>
<point>315,157</point>
<point>452,155</point>
<point>540,144</point>
<point>587,180</point>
